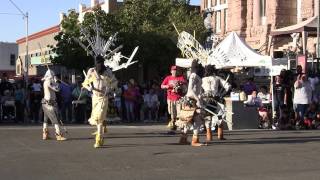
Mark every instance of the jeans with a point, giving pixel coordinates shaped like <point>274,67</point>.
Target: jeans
<point>301,110</point>
<point>130,110</point>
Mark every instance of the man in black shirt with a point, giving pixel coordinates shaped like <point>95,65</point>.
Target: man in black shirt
<point>280,96</point>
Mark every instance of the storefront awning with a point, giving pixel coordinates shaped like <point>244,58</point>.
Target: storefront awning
<point>308,25</point>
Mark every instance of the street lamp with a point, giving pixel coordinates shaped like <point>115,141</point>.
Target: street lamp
<point>26,18</point>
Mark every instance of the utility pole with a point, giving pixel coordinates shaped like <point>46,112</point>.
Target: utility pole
<point>26,60</point>
<point>318,32</point>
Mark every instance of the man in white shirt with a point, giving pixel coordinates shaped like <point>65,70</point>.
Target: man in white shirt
<point>302,96</point>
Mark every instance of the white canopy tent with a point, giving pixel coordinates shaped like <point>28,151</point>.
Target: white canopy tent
<point>233,52</point>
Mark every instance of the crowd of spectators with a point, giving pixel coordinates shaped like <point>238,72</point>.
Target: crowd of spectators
<point>291,101</point>
<point>295,100</point>
<point>131,102</point>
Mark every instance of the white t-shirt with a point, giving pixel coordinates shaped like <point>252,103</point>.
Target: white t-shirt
<point>303,94</point>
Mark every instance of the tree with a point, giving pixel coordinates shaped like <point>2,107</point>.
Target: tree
<point>147,24</point>
<point>70,53</point>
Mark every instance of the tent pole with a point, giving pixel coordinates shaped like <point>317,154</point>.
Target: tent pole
<point>269,45</point>
<point>304,42</point>
<point>272,97</point>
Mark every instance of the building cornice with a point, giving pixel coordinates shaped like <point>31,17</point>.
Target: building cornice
<point>39,34</point>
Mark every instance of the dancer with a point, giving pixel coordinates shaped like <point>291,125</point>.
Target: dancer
<point>213,100</point>
<point>101,82</point>
<point>50,107</point>
<point>191,114</point>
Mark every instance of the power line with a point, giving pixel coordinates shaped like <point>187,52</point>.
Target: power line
<point>22,13</point>
<point>15,14</point>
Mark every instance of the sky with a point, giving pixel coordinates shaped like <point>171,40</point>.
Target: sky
<point>42,14</point>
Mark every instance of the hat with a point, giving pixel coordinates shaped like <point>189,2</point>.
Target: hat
<point>173,68</point>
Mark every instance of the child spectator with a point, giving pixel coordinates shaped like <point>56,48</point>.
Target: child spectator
<point>255,101</point>
<point>310,116</point>
<point>8,104</point>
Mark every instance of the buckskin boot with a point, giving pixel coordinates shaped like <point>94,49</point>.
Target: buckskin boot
<point>60,137</point>
<point>220,133</point>
<point>209,135</point>
<point>195,141</point>
<point>99,141</point>
<point>45,134</point>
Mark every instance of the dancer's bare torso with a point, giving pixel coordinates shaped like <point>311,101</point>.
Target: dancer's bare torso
<point>50,88</point>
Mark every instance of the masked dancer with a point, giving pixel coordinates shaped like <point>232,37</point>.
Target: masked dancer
<point>50,107</point>
<point>213,100</point>
<point>101,81</point>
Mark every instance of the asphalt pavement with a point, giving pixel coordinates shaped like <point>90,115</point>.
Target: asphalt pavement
<point>137,152</point>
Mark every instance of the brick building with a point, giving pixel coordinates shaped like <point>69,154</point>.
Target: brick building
<point>254,20</point>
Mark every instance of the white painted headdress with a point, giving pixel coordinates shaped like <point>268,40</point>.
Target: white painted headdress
<point>49,75</point>
<point>99,46</point>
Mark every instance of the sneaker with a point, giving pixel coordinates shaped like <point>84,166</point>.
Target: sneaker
<point>298,127</point>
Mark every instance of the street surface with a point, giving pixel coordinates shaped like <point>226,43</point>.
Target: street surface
<point>148,152</point>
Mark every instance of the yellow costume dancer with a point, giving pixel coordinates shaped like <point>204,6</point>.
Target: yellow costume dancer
<point>101,82</point>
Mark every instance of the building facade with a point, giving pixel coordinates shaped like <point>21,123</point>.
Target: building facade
<point>39,51</point>
<point>253,20</point>
<point>109,6</point>
<point>8,56</point>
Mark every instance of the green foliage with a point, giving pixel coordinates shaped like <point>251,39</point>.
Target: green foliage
<point>147,24</point>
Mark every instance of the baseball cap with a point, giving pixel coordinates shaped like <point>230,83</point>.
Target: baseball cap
<point>173,68</point>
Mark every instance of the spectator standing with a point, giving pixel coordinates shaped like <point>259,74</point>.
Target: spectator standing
<point>302,97</point>
<point>35,100</point>
<point>66,98</point>
<point>118,101</point>
<point>19,102</point>
<point>130,98</point>
<point>172,84</point>
<point>280,97</point>
<point>80,103</point>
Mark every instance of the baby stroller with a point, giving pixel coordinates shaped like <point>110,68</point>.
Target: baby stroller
<point>8,110</point>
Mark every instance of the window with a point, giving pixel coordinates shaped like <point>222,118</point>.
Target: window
<point>225,20</point>
<point>18,69</point>
<point>262,8</point>
<point>299,10</point>
<point>12,59</point>
<point>218,21</point>
<point>209,3</point>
